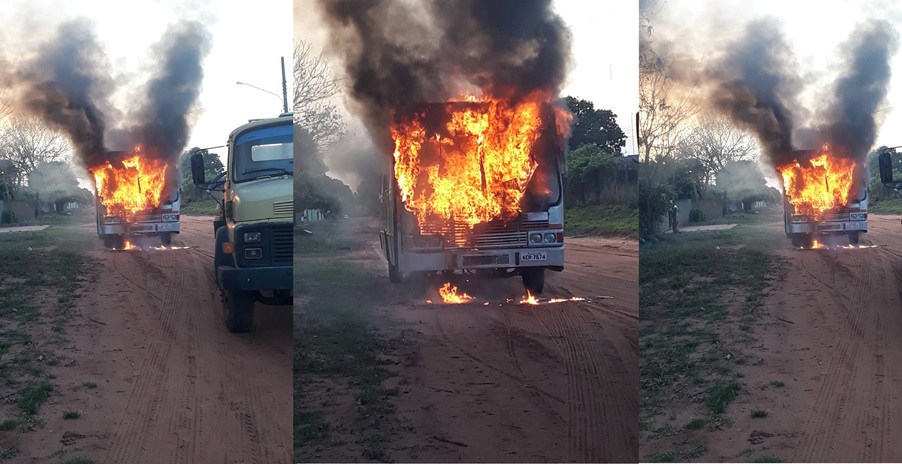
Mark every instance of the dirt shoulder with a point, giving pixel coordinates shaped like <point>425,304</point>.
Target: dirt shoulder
<point>765,353</point>
<point>147,371</point>
<point>383,375</point>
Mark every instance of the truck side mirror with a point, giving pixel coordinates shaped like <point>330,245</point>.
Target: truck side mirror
<point>886,167</point>
<point>197,168</point>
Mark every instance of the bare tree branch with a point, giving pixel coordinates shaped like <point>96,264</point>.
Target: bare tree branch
<point>27,142</point>
<point>313,88</point>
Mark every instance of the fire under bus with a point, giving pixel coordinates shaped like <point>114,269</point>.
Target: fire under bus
<point>144,211</point>
<point>525,239</point>
<point>822,200</point>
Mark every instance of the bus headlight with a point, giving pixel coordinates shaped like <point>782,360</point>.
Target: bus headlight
<point>535,239</point>
<point>858,216</point>
<point>799,218</point>
<point>550,237</point>
<point>111,220</point>
<point>170,217</point>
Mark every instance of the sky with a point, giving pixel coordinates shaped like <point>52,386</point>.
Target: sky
<point>605,52</point>
<point>248,40</point>
<point>702,25</point>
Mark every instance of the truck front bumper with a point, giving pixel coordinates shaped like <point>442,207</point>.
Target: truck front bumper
<point>259,278</point>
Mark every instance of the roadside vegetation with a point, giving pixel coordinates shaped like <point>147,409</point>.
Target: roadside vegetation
<point>885,206</point>
<point>700,296</point>
<point>41,276</point>
<point>612,221</point>
<point>345,387</point>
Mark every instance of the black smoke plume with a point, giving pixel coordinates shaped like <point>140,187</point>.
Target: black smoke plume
<point>757,84</point>
<point>162,121</point>
<point>67,83</point>
<point>399,54</point>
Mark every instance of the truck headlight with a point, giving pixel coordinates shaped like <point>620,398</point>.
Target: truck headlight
<point>535,239</point>
<point>858,216</point>
<point>253,253</point>
<point>550,237</point>
<point>799,218</point>
<point>252,237</point>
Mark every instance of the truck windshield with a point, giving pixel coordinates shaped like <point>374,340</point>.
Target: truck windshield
<point>265,152</point>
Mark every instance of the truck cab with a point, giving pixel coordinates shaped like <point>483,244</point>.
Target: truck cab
<point>254,233</point>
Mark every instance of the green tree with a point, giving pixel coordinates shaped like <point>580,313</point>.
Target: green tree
<point>588,167</point>
<point>594,126</point>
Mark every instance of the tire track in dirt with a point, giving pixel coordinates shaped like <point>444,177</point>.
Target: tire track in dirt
<point>591,398</point>
<point>832,401</point>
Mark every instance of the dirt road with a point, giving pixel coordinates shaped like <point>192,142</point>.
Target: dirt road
<point>833,334</point>
<point>509,381</point>
<point>154,372</point>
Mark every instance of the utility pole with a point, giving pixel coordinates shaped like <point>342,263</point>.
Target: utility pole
<point>284,89</point>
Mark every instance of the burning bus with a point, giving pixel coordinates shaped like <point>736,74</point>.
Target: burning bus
<point>476,186</point>
<point>824,196</point>
<point>133,199</point>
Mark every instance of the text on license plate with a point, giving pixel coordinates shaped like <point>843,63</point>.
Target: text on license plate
<point>164,227</point>
<point>534,256</point>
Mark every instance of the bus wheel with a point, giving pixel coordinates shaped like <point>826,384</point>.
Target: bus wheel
<point>853,237</point>
<point>796,241</point>
<point>533,279</point>
<point>166,238</point>
<point>394,274</point>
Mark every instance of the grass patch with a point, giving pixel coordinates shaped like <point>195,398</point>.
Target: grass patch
<point>695,424</point>
<point>33,396</point>
<point>767,458</point>
<point>9,452</point>
<point>720,395</point>
<point>79,460</point>
<point>335,344</point>
<point>885,205</point>
<point>759,413</point>
<point>90,385</point>
<point>205,206</point>
<point>8,425</point>
<point>69,415</point>
<point>778,383</point>
<point>593,220</point>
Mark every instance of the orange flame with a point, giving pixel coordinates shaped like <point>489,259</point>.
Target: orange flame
<point>824,183</point>
<point>449,294</point>
<point>530,299</point>
<point>135,186</point>
<point>478,168</point>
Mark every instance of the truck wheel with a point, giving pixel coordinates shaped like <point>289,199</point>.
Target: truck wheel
<point>533,279</point>
<point>166,238</point>
<point>853,237</point>
<point>394,274</point>
<point>239,310</point>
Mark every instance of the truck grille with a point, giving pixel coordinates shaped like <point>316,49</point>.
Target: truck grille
<point>495,234</point>
<point>282,243</point>
<point>283,208</point>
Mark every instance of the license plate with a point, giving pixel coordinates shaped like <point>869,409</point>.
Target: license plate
<point>852,225</point>
<point>534,256</point>
<point>141,228</point>
<point>164,227</point>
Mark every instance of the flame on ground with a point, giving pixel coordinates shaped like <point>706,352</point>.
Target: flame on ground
<point>135,186</point>
<point>530,299</point>
<point>478,166</point>
<point>821,184</point>
<point>449,294</point>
